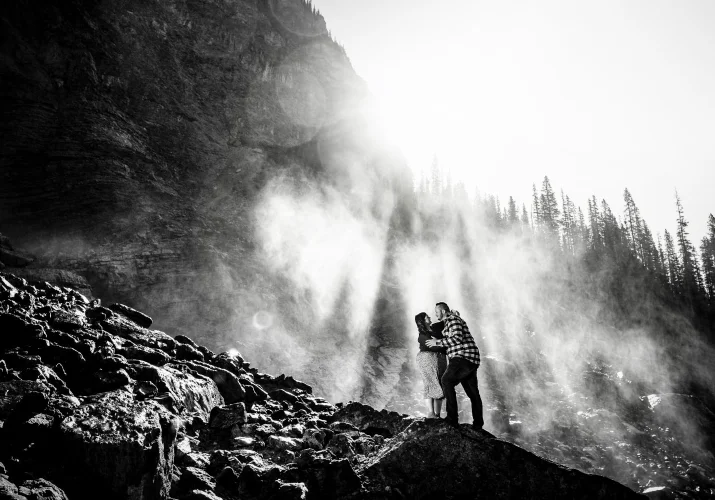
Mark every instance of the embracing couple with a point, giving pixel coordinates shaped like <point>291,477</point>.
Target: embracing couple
<point>450,335</point>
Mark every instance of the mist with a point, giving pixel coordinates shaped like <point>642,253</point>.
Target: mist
<point>556,353</point>
<point>544,323</point>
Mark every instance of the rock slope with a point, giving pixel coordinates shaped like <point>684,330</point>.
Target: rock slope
<point>92,398</point>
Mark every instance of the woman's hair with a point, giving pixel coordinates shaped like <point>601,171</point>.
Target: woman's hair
<point>421,324</point>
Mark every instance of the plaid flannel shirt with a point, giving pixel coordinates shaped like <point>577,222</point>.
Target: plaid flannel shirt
<point>458,340</point>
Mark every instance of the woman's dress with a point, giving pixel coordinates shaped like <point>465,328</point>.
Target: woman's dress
<point>432,362</point>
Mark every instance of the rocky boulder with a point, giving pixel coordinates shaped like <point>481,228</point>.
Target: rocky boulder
<point>33,489</point>
<point>113,425</point>
<point>192,391</point>
<point>431,459</point>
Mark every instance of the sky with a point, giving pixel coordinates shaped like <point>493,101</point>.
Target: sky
<point>598,95</point>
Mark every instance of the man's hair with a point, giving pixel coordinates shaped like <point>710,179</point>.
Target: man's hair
<point>443,306</point>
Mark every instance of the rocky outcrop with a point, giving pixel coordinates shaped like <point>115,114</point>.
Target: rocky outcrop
<point>92,400</point>
<point>610,426</point>
<point>430,459</point>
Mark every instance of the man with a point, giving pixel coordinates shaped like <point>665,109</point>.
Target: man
<point>464,360</point>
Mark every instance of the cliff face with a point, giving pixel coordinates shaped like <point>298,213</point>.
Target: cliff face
<point>147,127</point>
<point>137,138</point>
<point>93,399</point>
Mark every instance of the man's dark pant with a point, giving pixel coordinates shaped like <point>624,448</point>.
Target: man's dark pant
<point>462,371</point>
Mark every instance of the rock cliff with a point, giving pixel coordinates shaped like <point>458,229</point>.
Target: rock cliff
<point>94,399</point>
<point>137,140</point>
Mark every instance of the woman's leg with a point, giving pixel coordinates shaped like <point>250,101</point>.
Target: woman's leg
<point>430,411</point>
<point>424,362</point>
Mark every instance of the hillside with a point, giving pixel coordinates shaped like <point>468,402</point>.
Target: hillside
<point>95,399</point>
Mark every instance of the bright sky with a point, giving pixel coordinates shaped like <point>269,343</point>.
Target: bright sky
<point>597,95</point>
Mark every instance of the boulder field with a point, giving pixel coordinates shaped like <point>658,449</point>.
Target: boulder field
<point>93,400</point>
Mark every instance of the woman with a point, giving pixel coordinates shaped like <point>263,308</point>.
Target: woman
<point>432,363</point>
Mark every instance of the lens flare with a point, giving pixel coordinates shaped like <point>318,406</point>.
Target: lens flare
<point>262,320</point>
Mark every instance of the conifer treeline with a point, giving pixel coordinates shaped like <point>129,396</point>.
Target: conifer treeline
<point>601,236</point>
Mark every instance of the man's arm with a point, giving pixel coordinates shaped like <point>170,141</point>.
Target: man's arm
<point>452,335</point>
<point>433,342</point>
<point>451,341</point>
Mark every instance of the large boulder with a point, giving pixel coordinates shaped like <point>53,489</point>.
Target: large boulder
<point>33,489</point>
<point>128,329</point>
<point>42,489</point>
<point>114,444</point>
<point>194,392</point>
<point>431,459</point>
<point>228,384</point>
<point>132,314</point>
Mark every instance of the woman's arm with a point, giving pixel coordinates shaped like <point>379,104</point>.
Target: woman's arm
<point>421,339</point>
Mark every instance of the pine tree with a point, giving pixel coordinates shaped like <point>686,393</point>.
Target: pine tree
<point>497,213</point>
<point>513,216</point>
<point>448,189</point>
<point>675,273</point>
<point>573,223</point>
<point>692,281</point>
<point>594,218</point>
<point>707,253</point>
<point>582,232</point>
<point>661,264</point>
<point>632,222</point>
<point>492,210</point>
<point>649,252</point>
<point>549,209</point>
<point>610,229</point>
<point>436,178</point>
<point>567,224</point>
<point>525,226</point>
<point>535,210</point>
